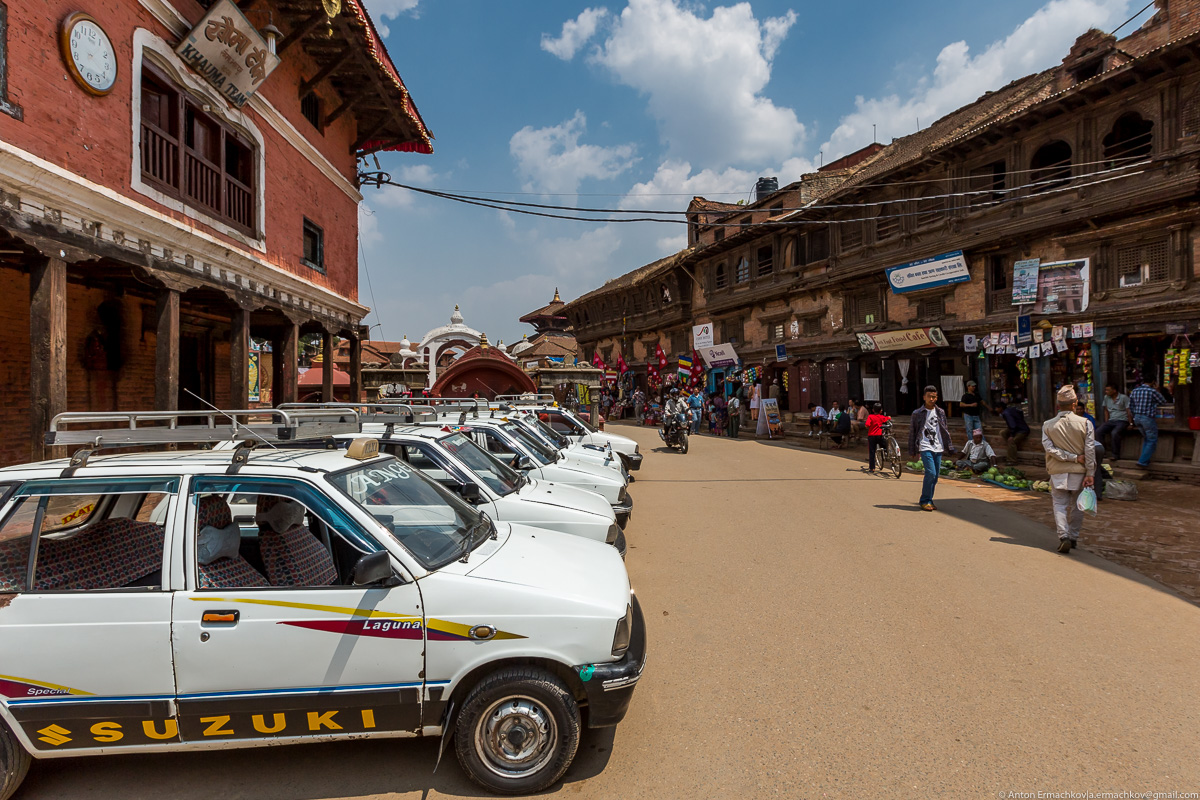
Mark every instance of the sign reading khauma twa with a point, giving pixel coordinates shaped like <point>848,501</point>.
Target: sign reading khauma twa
<point>928,273</point>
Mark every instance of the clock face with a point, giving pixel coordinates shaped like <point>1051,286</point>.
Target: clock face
<point>89,53</point>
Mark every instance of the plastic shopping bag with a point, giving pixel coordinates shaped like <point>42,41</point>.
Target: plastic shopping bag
<point>1087,501</point>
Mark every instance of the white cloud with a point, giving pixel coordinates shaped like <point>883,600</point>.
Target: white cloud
<point>960,78</point>
<point>381,10</point>
<point>552,160</point>
<point>704,78</point>
<point>575,34</point>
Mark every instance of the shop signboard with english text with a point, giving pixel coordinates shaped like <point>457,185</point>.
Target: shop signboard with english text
<point>902,340</point>
<point>228,52</point>
<point>702,336</point>
<point>928,273</point>
<point>721,355</point>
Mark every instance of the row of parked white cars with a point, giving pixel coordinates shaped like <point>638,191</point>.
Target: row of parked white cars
<point>320,573</point>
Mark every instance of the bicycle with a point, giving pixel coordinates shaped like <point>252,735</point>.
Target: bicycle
<point>888,454</point>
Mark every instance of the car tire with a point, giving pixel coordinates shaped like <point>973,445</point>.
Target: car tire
<point>14,761</point>
<point>517,700</point>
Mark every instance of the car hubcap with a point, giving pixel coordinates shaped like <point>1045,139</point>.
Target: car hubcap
<point>516,736</point>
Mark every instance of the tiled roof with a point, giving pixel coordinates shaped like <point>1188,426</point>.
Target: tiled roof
<point>636,276</point>
<point>551,309</point>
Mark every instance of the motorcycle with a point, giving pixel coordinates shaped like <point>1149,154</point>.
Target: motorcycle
<point>676,434</point>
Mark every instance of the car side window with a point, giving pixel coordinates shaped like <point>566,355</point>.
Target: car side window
<point>497,446</point>
<point>253,534</point>
<point>85,535</point>
<point>418,457</point>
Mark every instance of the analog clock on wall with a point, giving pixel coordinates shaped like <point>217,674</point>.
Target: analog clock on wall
<point>89,53</point>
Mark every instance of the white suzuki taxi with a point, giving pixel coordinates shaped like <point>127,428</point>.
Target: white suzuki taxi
<point>570,424</point>
<point>164,601</point>
<point>454,460</point>
<point>513,444</point>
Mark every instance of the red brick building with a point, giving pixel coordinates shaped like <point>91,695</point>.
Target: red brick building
<point>150,226</point>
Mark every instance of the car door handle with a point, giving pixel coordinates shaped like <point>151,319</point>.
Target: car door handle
<point>220,618</point>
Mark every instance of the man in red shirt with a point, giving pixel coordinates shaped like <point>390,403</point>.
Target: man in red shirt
<point>874,423</point>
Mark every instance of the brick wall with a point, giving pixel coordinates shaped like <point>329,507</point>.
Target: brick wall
<point>93,136</point>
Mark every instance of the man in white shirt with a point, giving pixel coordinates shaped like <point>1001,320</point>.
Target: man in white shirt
<point>978,454</point>
<point>1070,444</point>
<point>816,416</point>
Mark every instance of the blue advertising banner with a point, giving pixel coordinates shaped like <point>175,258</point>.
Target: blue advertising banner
<point>1024,329</point>
<point>927,273</point>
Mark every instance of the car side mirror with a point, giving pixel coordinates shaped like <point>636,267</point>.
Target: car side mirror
<point>375,569</point>
<point>523,463</point>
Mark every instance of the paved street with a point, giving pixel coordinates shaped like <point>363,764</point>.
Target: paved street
<point>813,634</point>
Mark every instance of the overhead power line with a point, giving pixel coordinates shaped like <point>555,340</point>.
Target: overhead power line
<point>1048,186</point>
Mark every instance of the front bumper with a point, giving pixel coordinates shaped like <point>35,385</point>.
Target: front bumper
<point>623,510</point>
<point>609,687</point>
<point>631,462</point>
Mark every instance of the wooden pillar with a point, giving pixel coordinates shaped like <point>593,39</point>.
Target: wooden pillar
<point>356,368</point>
<point>326,367</point>
<point>48,350</point>
<point>286,357</point>
<point>239,359</point>
<point>166,352</point>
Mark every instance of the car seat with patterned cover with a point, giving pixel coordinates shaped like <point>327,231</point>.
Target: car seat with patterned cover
<point>292,556</point>
<point>226,572</point>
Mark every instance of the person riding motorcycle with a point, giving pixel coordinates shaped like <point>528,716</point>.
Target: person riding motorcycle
<point>674,407</point>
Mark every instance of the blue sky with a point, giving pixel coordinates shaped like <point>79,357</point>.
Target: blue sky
<point>643,104</point>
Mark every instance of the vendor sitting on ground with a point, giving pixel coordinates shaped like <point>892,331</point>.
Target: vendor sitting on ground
<point>978,455</point>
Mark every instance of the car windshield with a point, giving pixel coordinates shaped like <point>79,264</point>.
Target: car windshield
<point>548,433</point>
<point>498,476</point>
<point>580,421</point>
<point>432,524</point>
<point>542,452</point>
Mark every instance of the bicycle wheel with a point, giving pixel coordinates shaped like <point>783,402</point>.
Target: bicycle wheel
<point>893,453</point>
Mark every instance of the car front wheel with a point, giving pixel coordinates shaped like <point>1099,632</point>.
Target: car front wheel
<point>518,731</point>
<point>13,760</point>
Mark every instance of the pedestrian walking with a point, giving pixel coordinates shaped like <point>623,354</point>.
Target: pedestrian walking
<point>874,425</point>
<point>696,407</point>
<point>972,409</point>
<point>639,405</point>
<point>1070,444</point>
<point>735,415</point>
<point>929,437</point>
<point>978,455</point>
<point>1017,430</point>
<point>1143,403</point>
<point>1116,419</point>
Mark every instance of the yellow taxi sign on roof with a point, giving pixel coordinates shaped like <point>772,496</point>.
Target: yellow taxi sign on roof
<point>363,449</point>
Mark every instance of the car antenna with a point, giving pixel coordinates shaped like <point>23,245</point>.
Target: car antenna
<point>232,418</point>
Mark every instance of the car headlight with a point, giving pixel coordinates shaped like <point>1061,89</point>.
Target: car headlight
<point>622,635</point>
<point>614,531</point>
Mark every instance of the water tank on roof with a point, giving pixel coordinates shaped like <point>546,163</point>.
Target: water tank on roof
<point>765,186</point>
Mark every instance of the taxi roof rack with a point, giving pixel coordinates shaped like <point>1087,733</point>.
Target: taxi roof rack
<point>157,428</point>
<point>527,399</point>
<point>389,414</point>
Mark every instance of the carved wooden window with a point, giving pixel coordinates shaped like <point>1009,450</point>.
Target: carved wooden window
<point>194,156</point>
<point>986,184</point>
<point>766,260</point>
<point>720,278</point>
<point>1190,114</point>
<point>931,207</point>
<point>931,308</point>
<point>812,326</point>
<point>743,270</point>
<point>888,224</point>
<point>998,283</point>
<point>852,234</point>
<point>1130,139</point>
<point>1143,264</point>
<point>1050,166</point>
<point>866,307</point>
<point>6,106</point>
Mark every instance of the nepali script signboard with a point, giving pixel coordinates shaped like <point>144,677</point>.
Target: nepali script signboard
<point>902,340</point>
<point>928,273</point>
<point>721,355</point>
<point>227,51</point>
